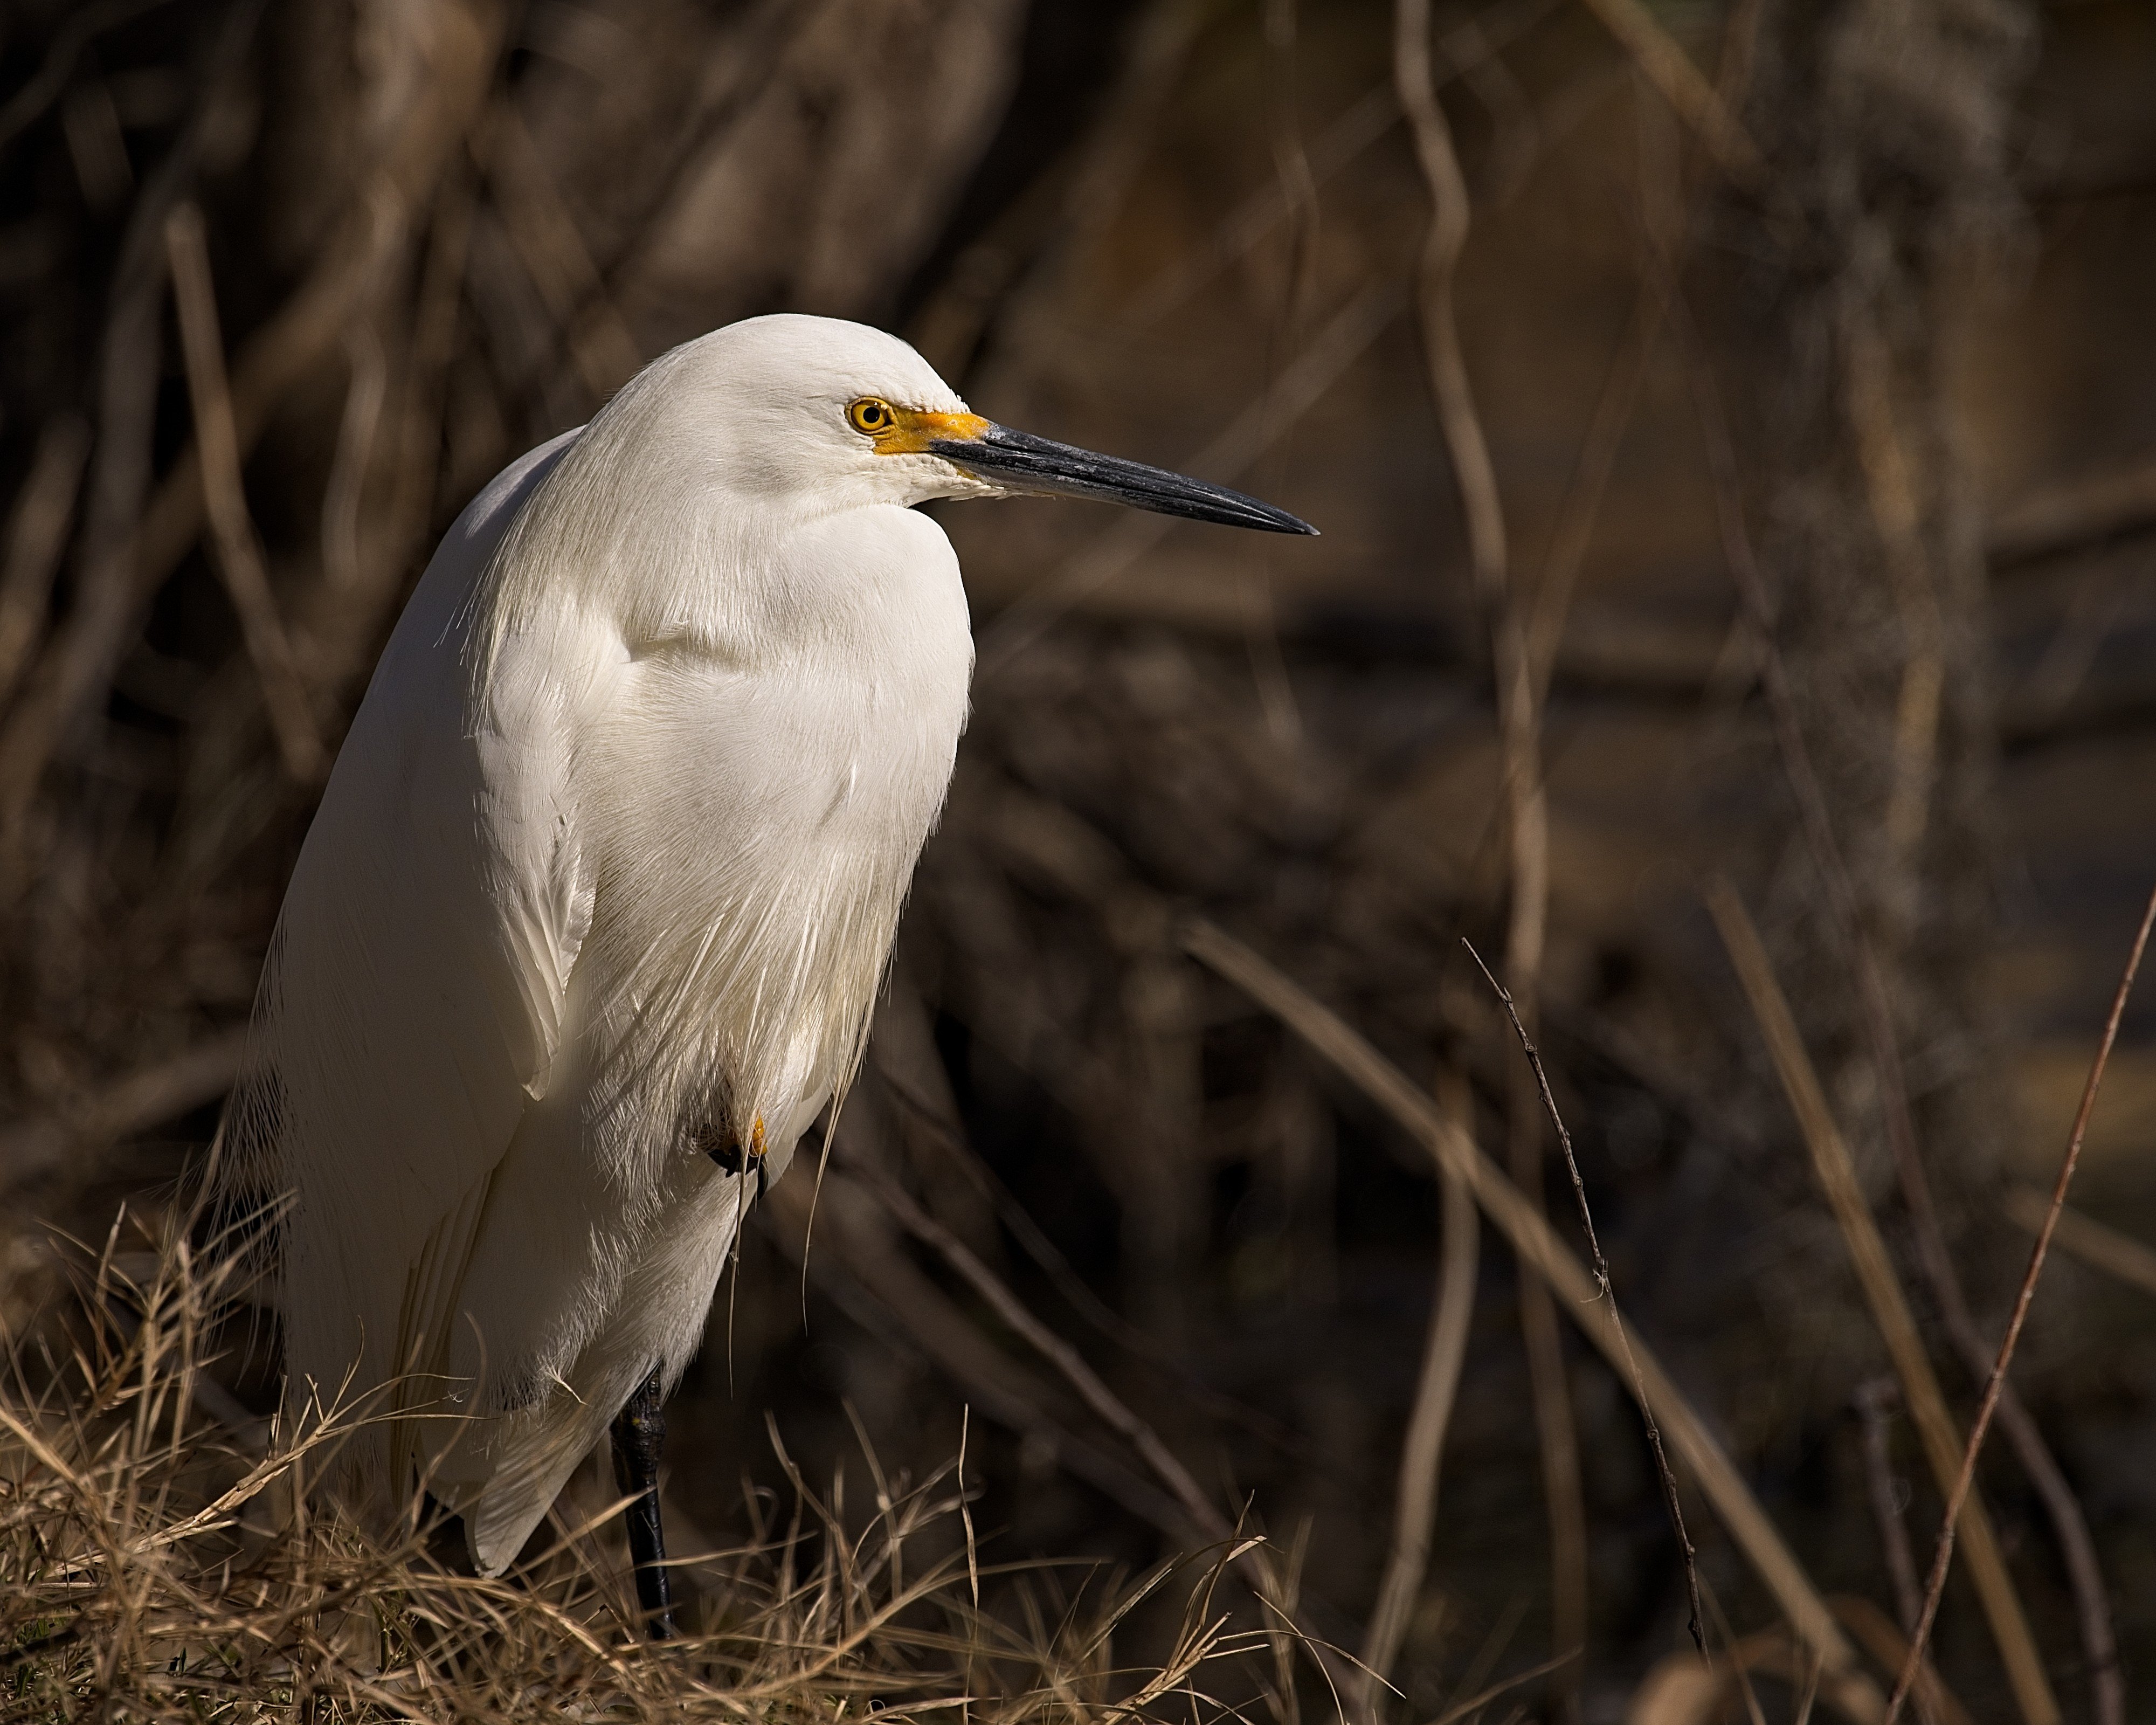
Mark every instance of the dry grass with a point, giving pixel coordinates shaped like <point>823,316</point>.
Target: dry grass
<point>151,1567</point>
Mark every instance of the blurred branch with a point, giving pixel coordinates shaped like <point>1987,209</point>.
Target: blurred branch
<point>67,42</point>
<point>1160,48</point>
<point>1665,245</point>
<point>1023,1229</point>
<point>2070,517</point>
<point>78,667</point>
<point>1067,1283</point>
<point>1684,87</point>
<point>752,51</point>
<point>1526,809</point>
<point>345,619</point>
<point>36,534</point>
<point>128,1104</point>
<point>1961,1499</point>
<point>2098,606</point>
<point>365,392</point>
<point>1582,499</point>
<point>1445,1352</point>
<point>1353,130</point>
<point>1106,1405</point>
<point>434,345</point>
<point>1889,1646</point>
<point>599,344</point>
<point>1606,1291</point>
<point>145,544</point>
<point>1009,275</point>
<point>1516,138</point>
<point>1875,1400</point>
<point>1249,1553</point>
<point>1298,388</point>
<point>238,558</point>
<point>1540,1250</point>
<point>2083,1237</point>
<point>1293,176</point>
<point>1837,1171</point>
<point>1889,465</point>
<point>859,1257</point>
<point>1875,1018</point>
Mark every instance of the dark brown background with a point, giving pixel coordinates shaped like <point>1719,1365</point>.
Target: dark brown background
<point>1896,354</point>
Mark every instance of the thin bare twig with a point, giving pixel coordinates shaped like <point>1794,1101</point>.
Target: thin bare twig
<point>1670,1502</point>
<point>1530,1236</point>
<point>1960,1497</point>
<point>1836,1168</point>
<point>1534,1057</point>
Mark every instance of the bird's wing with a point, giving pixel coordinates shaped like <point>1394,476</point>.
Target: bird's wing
<point>415,996</point>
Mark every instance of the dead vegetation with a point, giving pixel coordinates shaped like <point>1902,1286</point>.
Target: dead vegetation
<point>153,1567</point>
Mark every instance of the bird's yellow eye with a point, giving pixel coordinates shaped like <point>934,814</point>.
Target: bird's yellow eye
<point>872,417</point>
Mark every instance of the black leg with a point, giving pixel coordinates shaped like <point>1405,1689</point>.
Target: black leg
<point>638,1429</point>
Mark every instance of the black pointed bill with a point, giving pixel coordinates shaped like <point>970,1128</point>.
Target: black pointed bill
<point>1025,463</point>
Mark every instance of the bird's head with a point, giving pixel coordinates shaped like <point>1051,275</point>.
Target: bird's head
<point>816,408</point>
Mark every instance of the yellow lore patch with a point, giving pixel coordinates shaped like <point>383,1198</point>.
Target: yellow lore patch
<point>903,431</point>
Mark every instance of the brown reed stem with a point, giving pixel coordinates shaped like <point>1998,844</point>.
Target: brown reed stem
<point>1529,1232</point>
<point>2070,1525</point>
<point>1836,1169</point>
<point>239,559</point>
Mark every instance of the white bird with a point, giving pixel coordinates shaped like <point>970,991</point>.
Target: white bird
<point>588,927</point>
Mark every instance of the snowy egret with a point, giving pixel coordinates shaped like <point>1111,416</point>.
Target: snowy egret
<point>588,926</point>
